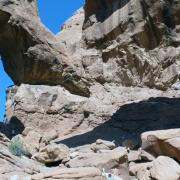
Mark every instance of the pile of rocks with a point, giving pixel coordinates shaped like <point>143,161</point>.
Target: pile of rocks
<point>151,161</point>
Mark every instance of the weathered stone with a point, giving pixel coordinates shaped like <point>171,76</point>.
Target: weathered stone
<point>140,170</point>
<point>11,165</point>
<point>127,112</point>
<point>52,153</point>
<point>35,52</point>
<point>102,145</point>
<point>165,168</point>
<point>89,173</point>
<point>108,160</point>
<point>161,168</point>
<point>139,155</point>
<point>32,142</point>
<point>162,142</point>
<point>103,52</point>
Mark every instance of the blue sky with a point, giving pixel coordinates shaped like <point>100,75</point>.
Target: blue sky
<point>53,14</point>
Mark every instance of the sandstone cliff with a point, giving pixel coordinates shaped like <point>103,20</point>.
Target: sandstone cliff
<point>111,73</point>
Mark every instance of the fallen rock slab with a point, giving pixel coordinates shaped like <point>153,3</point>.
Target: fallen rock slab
<point>87,173</point>
<point>107,160</point>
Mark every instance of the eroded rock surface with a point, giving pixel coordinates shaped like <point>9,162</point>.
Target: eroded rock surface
<point>30,52</point>
<point>164,142</point>
<point>111,73</point>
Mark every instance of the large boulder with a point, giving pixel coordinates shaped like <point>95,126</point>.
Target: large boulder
<point>52,153</point>
<point>161,168</point>
<point>162,142</point>
<point>165,168</point>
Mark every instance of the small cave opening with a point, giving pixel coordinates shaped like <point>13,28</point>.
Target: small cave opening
<point>53,164</point>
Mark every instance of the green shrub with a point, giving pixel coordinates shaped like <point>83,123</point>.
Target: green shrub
<point>16,147</point>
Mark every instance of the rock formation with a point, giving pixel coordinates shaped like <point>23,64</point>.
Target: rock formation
<point>110,75</point>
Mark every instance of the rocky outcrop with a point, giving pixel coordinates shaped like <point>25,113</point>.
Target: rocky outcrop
<point>121,111</point>
<point>111,74</point>
<point>109,45</point>
<point>30,53</point>
<point>11,165</point>
<point>134,40</point>
<point>131,43</point>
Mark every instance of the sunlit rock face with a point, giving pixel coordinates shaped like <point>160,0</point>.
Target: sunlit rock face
<point>137,41</point>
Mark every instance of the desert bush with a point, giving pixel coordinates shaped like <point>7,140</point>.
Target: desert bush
<point>17,148</point>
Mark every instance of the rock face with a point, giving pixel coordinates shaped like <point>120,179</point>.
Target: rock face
<point>109,75</point>
<point>111,113</point>
<point>30,53</point>
<point>131,43</point>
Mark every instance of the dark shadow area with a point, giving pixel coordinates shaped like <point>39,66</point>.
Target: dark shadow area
<point>168,15</point>
<point>130,120</point>
<point>12,127</point>
<point>53,164</point>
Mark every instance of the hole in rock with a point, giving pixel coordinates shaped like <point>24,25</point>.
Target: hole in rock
<point>53,164</point>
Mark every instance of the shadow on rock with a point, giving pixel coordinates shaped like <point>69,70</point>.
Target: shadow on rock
<point>130,120</point>
<point>12,127</point>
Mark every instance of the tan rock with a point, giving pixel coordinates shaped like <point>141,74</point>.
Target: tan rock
<point>161,168</point>
<point>140,170</point>
<point>52,153</point>
<point>32,142</point>
<point>43,61</point>
<point>107,160</point>
<point>88,173</point>
<point>102,145</point>
<point>140,155</point>
<point>163,142</point>
<point>165,168</point>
